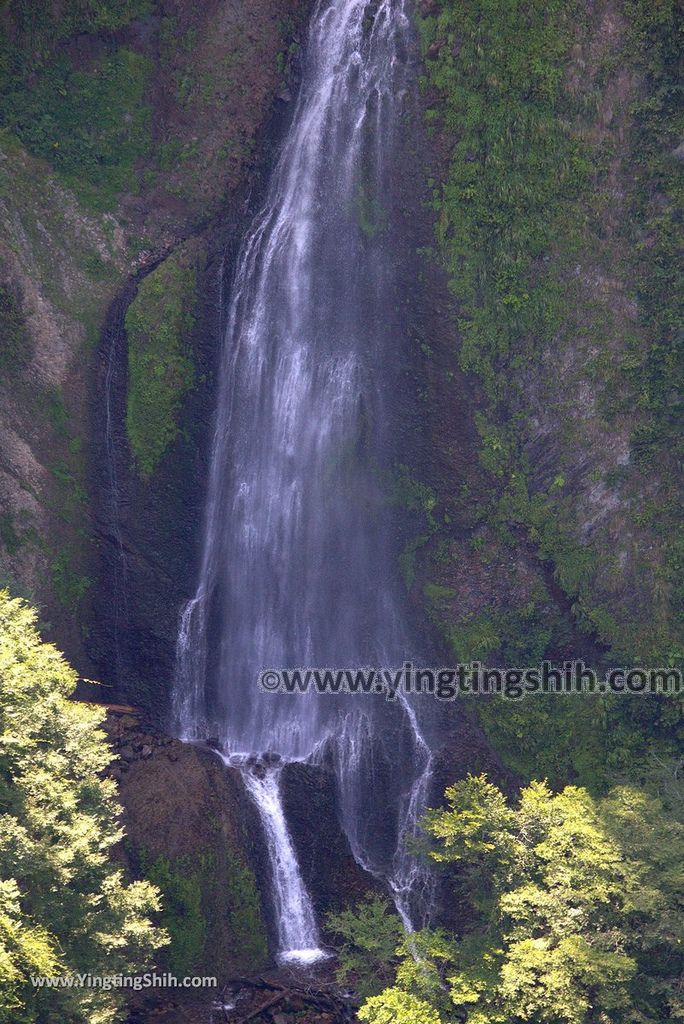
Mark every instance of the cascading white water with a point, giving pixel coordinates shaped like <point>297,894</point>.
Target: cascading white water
<point>410,882</point>
<point>298,938</point>
<point>297,564</point>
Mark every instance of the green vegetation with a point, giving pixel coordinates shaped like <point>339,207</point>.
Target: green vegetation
<point>656,379</point>
<point>513,173</point>
<point>367,941</point>
<point>57,411</point>
<point>522,222</point>
<point>576,916</point>
<point>182,916</point>
<point>419,500</point>
<point>70,585</point>
<point>64,907</point>
<point>513,177</point>
<point>92,126</point>
<point>245,918</point>
<point>587,740</point>
<point>9,535</point>
<point>190,894</point>
<point>160,369</point>
<point>72,495</point>
<point>40,26</point>
<point>17,530</point>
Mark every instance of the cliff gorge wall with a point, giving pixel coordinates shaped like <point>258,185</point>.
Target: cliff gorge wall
<point>556,131</point>
<point>126,129</point>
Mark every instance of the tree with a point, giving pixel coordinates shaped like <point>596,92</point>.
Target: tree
<point>579,915</point>
<point>370,938</point>
<point>65,908</point>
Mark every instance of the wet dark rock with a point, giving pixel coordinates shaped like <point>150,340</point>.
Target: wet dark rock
<point>330,872</point>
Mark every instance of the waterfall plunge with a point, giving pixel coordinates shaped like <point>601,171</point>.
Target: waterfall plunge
<point>296,563</point>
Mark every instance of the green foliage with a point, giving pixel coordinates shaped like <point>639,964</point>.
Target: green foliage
<point>245,918</point>
<point>657,209</point>
<point>583,739</point>
<point>413,495</point>
<point>521,635</point>
<point>160,370</point>
<point>578,918</point>
<point>40,26</point>
<point>64,907</point>
<point>72,498</point>
<point>70,585</point>
<point>514,170</point>
<point>57,411</point>
<point>367,943</point>
<point>192,889</point>
<point>420,500</point>
<point>15,346</point>
<point>92,126</point>
<point>516,216</point>
<point>579,907</point>
<point>181,884</point>
<point>9,535</point>
<point>15,531</point>
<point>394,1006</point>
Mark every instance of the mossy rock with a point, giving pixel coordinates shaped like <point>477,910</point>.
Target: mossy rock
<point>159,323</point>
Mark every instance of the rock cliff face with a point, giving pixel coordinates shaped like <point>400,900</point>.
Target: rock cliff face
<point>550,495</point>
<point>126,131</point>
<point>191,829</point>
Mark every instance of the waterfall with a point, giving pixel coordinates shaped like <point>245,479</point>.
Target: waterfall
<point>115,449</point>
<point>298,938</point>
<point>298,566</point>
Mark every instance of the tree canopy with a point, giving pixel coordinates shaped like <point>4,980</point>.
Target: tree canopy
<point>578,913</point>
<point>65,907</point>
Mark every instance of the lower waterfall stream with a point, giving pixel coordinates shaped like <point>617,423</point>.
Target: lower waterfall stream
<point>297,565</point>
<point>298,938</point>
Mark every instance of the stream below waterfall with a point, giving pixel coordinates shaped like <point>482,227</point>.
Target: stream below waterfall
<point>298,566</point>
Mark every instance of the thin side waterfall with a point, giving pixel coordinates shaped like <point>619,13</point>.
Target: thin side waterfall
<point>298,566</point>
<point>112,449</point>
<point>298,938</point>
<point>410,882</point>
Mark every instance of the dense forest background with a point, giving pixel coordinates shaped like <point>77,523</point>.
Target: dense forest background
<point>543,505</point>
